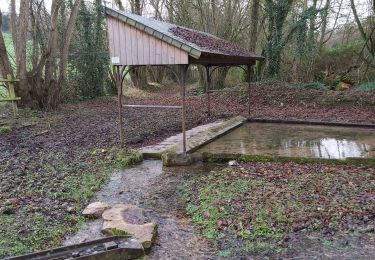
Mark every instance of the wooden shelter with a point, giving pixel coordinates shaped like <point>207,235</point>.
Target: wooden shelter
<point>138,41</point>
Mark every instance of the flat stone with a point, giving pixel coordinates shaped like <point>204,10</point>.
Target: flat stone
<point>128,213</point>
<point>233,163</point>
<point>173,159</point>
<point>130,220</point>
<point>110,245</point>
<point>95,209</point>
<point>145,233</point>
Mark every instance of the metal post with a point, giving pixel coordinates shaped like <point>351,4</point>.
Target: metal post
<point>208,88</point>
<point>119,97</point>
<point>183,69</point>
<point>249,85</point>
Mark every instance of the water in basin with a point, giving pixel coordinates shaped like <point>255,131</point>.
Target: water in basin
<point>296,140</point>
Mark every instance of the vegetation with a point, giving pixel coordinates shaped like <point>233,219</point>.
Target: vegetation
<point>319,65</point>
<point>68,188</point>
<point>255,208</point>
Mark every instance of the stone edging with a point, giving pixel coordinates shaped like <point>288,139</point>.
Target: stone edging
<point>308,122</point>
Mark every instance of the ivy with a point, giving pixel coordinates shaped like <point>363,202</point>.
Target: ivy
<point>89,60</point>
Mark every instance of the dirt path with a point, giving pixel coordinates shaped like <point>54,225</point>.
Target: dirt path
<point>151,187</point>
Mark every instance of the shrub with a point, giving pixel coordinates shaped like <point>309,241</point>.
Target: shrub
<point>369,86</point>
<point>5,129</point>
<point>315,85</point>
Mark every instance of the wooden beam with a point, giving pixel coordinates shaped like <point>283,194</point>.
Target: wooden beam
<point>183,69</point>
<point>118,73</point>
<point>226,90</point>
<point>222,60</point>
<point>153,106</point>
<point>9,80</point>
<point>10,99</point>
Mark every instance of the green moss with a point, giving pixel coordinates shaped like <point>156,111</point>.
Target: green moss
<point>222,158</point>
<point>119,157</point>
<point>119,232</point>
<point>5,129</point>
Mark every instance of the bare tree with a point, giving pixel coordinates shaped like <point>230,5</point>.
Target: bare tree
<point>42,85</point>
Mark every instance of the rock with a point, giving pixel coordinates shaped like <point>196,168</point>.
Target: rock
<point>173,159</point>
<point>70,209</point>
<point>233,163</point>
<point>110,245</point>
<point>145,233</point>
<point>130,220</point>
<point>8,211</point>
<point>95,209</point>
<point>76,254</point>
<point>343,86</point>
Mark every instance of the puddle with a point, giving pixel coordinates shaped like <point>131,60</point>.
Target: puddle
<point>155,189</point>
<point>292,140</point>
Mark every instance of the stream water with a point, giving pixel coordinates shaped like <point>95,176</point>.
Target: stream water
<point>155,189</point>
<point>296,141</point>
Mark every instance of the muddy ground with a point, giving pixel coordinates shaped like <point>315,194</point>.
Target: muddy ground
<point>49,171</point>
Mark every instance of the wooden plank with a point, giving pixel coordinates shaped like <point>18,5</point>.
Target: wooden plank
<point>123,52</point>
<point>110,33</point>
<point>9,80</point>
<point>140,47</point>
<point>146,49</point>
<point>10,99</point>
<point>227,90</point>
<point>164,53</point>
<point>152,50</point>
<point>133,35</point>
<point>136,47</point>
<point>152,106</point>
<point>172,54</point>
<point>158,59</point>
<point>184,57</point>
<point>128,45</point>
<point>114,39</point>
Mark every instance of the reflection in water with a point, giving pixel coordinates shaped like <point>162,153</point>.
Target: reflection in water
<point>297,141</point>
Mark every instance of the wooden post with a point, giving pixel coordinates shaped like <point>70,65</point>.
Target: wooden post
<point>12,95</point>
<point>208,88</point>
<point>183,69</point>
<point>249,85</point>
<point>119,97</point>
<point>9,81</point>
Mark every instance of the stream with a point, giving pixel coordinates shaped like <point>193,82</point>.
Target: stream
<point>155,189</point>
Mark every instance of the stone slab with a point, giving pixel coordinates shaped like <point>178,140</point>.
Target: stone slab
<point>196,138</point>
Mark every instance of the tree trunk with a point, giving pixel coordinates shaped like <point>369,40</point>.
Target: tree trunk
<point>254,25</point>
<point>13,24</point>
<point>5,67</point>
<point>22,88</point>
<point>55,96</point>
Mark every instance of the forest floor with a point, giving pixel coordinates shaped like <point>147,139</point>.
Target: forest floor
<point>51,167</point>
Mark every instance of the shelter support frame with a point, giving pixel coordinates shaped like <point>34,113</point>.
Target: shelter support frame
<point>121,71</point>
<point>209,72</point>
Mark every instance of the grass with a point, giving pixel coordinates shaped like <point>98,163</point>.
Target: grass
<point>220,158</point>
<point>3,92</point>
<point>254,208</point>
<point>369,86</point>
<point>5,130</point>
<point>34,229</point>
